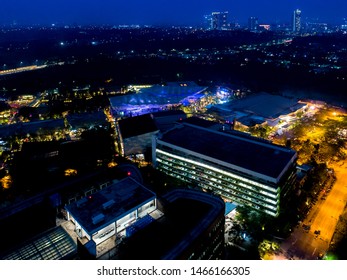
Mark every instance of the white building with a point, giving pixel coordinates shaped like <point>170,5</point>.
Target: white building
<point>109,212</point>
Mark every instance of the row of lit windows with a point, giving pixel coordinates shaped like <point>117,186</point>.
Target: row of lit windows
<point>253,190</point>
<point>237,199</point>
<point>207,184</point>
<point>265,187</point>
<point>219,169</point>
<point>226,192</point>
<point>209,168</point>
<point>244,199</point>
<point>219,177</point>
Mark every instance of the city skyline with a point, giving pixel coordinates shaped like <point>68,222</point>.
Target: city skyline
<point>156,12</point>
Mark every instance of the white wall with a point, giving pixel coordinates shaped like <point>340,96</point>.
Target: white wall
<point>104,233</point>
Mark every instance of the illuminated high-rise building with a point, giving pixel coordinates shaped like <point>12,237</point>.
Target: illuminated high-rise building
<point>253,23</point>
<point>297,21</point>
<point>344,25</point>
<point>219,21</point>
<point>208,21</point>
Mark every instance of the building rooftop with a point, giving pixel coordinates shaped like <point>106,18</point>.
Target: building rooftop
<point>55,244</point>
<point>157,96</point>
<point>196,121</point>
<point>202,122</point>
<point>170,235</point>
<point>264,105</point>
<point>87,119</point>
<point>31,127</point>
<point>167,119</point>
<point>138,125</point>
<point>168,113</point>
<point>110,204</point>
<point>241,153</point>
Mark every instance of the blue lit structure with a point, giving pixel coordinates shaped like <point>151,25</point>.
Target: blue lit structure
<point>156,98</point>
<point>138,225</point>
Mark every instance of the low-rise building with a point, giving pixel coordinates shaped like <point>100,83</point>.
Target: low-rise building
<point>135,134</point>
<point>260,108</point>
<point>107,214</point>
<point>125,220</point>
<point>192,227</point>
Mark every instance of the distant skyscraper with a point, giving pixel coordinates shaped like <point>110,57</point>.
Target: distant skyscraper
<point>344,25</point>
<point>297,21</point>
<point>208,21</point>
<point>253,23</point>
<point>219,20</point>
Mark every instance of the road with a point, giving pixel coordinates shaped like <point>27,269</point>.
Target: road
<point>37,101</point>
<point>305,244</point>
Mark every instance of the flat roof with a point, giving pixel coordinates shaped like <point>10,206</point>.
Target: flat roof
<point>109,204</point>
<point>263,104</point>
<point>173,93</point>
<point>134,126</point>
<point>169,236</point>
<point>168,113</point>
<point>245,154</point>
<point>55,244</point>
<point>30,127</point>
<point>86,119</point>
<point>201,122</point>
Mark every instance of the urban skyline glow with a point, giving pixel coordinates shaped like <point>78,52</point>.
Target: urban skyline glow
<point>157,12</point>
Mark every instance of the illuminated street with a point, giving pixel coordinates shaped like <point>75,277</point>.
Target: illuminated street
<point>323,216</point>
<point>228,118</point>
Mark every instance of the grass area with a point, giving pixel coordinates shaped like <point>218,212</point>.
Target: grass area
<point>338,245</point>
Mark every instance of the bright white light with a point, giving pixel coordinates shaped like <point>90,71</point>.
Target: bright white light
<point>219,171</point>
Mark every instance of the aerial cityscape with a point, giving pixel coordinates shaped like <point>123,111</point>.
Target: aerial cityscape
<point>194,131</point>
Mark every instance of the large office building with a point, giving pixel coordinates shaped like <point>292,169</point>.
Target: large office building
<point>239,168</point>
<point>297,21</point>
<point>219,21</point>
<point>253,24</point>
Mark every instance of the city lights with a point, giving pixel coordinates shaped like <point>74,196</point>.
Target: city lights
<point>184,130</point>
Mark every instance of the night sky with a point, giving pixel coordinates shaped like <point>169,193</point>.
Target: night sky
<point>155,12</point>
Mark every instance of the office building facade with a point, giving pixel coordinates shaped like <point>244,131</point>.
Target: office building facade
<point>241,169</point>
<point>297,21</point>
<point>253,24</point>
<point>219,21</point>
